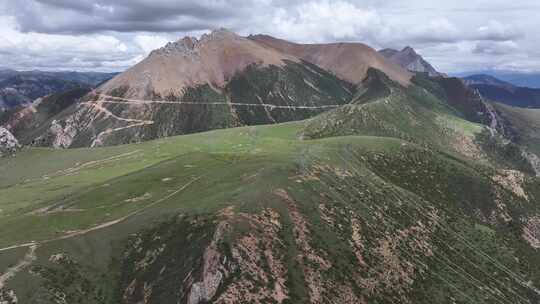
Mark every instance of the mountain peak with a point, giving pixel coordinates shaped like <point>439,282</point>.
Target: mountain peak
<point>190,45</point>
<point>212,59</point>
<point>409,50</point>
<point>221,32</point>
<point>183,45</point>
<point>411,60</point>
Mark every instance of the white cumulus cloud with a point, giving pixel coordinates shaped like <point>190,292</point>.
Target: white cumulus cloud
<point>324,21</point>
<point>149,43</point>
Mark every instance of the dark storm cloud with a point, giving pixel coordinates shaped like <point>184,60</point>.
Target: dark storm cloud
<point>85,16</point>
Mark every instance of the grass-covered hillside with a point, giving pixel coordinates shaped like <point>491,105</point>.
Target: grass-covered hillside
<point>256,215</point>
<point>395,198</point>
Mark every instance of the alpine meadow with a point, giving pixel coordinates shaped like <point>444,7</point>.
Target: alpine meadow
<point>275,161</point>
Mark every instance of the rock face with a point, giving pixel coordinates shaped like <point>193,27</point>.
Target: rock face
<point>29,122</point>
<point>410,60</point>
<point>348,61</point>
<point>213,272</point>
<point>8,142</point>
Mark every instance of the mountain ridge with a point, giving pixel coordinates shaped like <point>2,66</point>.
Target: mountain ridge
<point>189,62</point>
<point>20,88</point>
<point>501,91</point>
<point>409,59</point>
<point>349,61</point>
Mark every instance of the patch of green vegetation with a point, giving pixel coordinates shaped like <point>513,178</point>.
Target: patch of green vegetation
<point>65,281</point>
<point>412,114</point>
<point>157,261</point>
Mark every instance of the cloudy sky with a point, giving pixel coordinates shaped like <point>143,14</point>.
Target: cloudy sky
<point>111,35</point>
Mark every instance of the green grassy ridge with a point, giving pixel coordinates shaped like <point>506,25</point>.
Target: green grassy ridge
<point>411,114</point>
<point>274,154</point>
<point>429,114</point>
<point>99,194</point>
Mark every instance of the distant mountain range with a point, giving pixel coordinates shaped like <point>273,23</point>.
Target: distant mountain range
<point>520,79</point>
<point>410,60</point>
<point>23,87</point>
<point>498,90</point>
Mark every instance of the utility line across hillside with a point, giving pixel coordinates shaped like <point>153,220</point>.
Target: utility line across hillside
<point>120,100</point>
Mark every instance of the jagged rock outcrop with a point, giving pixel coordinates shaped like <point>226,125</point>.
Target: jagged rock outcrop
<point>410,60</point>
<point>8,142</point>
<point>214,271</point>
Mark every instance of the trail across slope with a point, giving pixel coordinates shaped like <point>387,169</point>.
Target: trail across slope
<point>127,101</point>
<point>100,226</point>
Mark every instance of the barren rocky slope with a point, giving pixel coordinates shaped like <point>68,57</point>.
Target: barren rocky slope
<point>348,61</point>
<point>410,60</point>
<point>212,60</point>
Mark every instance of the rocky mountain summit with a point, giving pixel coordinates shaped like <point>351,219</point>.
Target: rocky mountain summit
<point>212,60</point>
<point>410,60</point>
